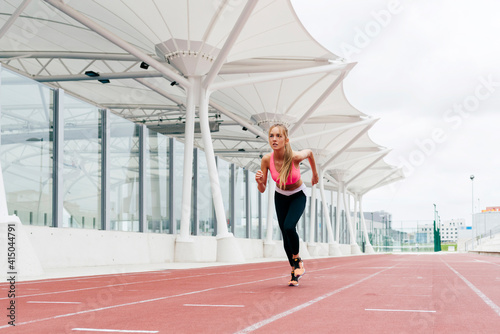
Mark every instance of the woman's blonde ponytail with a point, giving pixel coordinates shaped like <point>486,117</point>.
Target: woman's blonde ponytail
<point>286,168</point>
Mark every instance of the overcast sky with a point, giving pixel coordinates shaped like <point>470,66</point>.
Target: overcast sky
<point>430,70</point>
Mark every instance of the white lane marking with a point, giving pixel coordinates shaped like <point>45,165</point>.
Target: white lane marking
<point>47,302</point>
<point>488,301</point>
<point>140,302</point>
<point>166,297</point>
<point>135,282</point>
<point>307,304</point>
<point>401,295</point>
<point>110,330</point>
<point>209,305</point>
<point>389,310</point>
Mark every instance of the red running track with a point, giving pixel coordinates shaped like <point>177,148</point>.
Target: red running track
<point>428,293</point>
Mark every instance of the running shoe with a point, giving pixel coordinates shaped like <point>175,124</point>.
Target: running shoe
<point>294,281</point>
<point>298,266</point>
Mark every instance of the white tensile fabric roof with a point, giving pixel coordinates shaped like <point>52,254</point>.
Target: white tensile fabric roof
<point>183,38</point>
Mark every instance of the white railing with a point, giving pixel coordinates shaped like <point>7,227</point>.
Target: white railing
<point>480,239</point>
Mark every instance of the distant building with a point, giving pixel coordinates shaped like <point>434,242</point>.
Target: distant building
<point>491,209</point>
<point>425,233</point>
<point>486,220</point>
<point>450,228</point>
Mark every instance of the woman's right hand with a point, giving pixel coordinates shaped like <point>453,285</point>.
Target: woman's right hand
<point>259,177</point>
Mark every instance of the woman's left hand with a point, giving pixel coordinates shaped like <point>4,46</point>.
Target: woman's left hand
<point>315,179</point>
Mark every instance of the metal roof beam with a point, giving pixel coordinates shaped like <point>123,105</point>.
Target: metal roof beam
<point>278,76</point>
<point>13,17</point>
<point>321,99</point>
<point>168,73</point>
<point>367,167</point>
<point>334,119</point>
<point>72,55</point>
<point>384,181</point>
<point>141,106</point>
<point>161,92</point>
<point>264,68</point>
<point>334,129</point>
<point>228,45</point>
<point>363,157</point>
<point>243,122</point>
<point>352,141</point>
<point>102,76</point>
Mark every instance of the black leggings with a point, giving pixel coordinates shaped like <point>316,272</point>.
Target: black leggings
<point>289,209</point>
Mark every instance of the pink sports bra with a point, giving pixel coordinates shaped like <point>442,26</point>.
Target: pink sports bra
<point>292,178</point>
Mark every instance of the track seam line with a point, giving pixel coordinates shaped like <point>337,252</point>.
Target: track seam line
<point>307,304</point>
<point>146,301</point>
<point>485,299</point>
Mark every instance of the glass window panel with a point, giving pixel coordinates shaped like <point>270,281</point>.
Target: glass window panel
<point>224,171</point>
<point>307,215</point>
<point>124,175</point>
<point>206,216</point>
<point>26,147</point>
<point>81,165</point>
<point>157,183</point>
<point>254,207</point>
<point>178,173</point>
<point>276,232</point>
<point>239,202</point>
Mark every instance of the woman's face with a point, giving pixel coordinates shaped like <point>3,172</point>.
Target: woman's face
<point>277,139</point>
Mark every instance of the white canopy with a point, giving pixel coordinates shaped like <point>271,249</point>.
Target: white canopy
<point>270,70</point>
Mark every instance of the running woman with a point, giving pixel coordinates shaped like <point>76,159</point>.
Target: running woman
<point>290,197</point>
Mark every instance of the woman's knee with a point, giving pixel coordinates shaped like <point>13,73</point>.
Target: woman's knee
<point>290,230</point>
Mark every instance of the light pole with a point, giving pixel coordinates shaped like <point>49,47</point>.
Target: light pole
<point>474,232</point>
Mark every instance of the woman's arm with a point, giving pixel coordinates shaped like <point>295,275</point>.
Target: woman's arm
<point>308,154</point>
<point>261,175</point>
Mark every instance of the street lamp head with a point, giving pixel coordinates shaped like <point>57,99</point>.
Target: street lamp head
<point>472,177</point>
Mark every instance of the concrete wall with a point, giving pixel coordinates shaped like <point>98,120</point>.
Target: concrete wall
<point>62,248</point>
<point>68,247</point>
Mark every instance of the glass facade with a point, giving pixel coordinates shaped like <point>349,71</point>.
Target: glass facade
<point>239,203</point>
<point>205,214</point>
<point>81,164</point>
<point>141,190</point>
<point>157,180</point>
<point>124,176</point>
<point>26,147</point>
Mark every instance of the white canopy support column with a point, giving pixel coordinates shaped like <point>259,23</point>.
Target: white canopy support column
<point>368,245</point>
<point>333,245</point>
<point>185,249</point>
<point>340,175</point>
<point>227,248</point>
<point>337,213</point>
<point>354,246</point>
<point>355,219</point>
<point>188,161</point>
